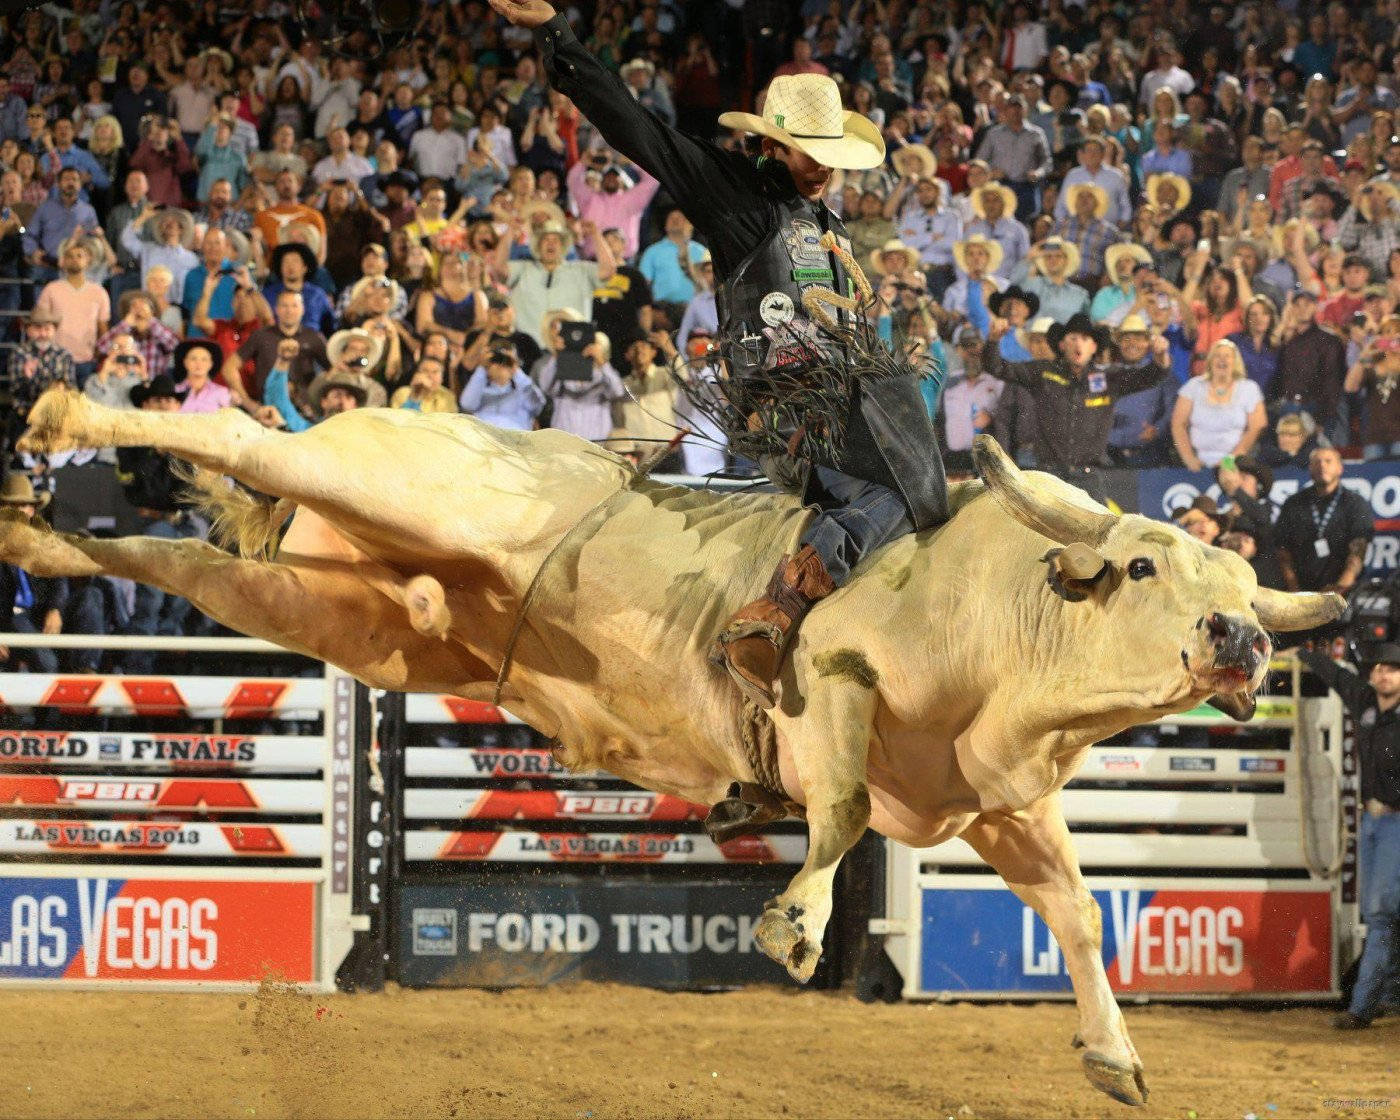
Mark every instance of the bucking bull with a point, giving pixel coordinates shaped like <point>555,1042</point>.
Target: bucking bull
<point>951,689</point>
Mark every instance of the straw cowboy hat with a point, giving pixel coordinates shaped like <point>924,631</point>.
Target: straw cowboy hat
<point>1008,199</point>
<point>1041,325</point>
<point>894,245</point>
<point>1154,189</point>
<point>151,226</point>
<point>1311,238</point>
<point>538,212</point>
<point>914,160</point>
<point>1068,248</point>
<point>18,490</point>
<point>1100,198</point>
<point>336,344</point>
<point>994,252</point>
<point>541,232</point>
<point>1384,187</point>
<point>1133,324</point>
<point>803,111</point>
<point>240,250</point>
<point>1115,253</point>
<point>301,233</point>
<point>627,68</point>
<point>365,389</point>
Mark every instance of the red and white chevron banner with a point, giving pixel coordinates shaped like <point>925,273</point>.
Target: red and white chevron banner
<point>164,795</point>
<point>187,697</point>
<point>600,847</point>
<point>544,805</point>
<point>426,707</point>
<point>179,840</point>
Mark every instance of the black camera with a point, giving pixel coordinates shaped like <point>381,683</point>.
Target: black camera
<point>358,363</point>
<point>127,360</point>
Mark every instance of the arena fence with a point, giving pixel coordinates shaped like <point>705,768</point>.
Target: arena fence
<point>164,831</point>
<point>1216,855</point>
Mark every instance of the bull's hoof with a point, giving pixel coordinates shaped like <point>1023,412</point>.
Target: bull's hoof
<point>53,422</point>
<point>1124,1083</point>
<point>787,943</point>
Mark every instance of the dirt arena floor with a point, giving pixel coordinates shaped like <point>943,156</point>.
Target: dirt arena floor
<point>592,1052</point>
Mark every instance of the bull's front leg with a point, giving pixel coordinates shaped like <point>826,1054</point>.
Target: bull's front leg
<point>1032,851</point>
<point>828,744</point>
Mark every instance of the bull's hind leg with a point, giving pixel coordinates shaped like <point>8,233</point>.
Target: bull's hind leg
<point>828,746</point>
<point>1033,853</point>
<point>341,475</point>
<point>321,610</point>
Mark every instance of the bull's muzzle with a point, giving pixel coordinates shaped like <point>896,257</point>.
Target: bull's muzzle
<point>1239,646</point>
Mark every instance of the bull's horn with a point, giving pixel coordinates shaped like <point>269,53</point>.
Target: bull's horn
<point>1297,610</point>
<point>1063,522</point>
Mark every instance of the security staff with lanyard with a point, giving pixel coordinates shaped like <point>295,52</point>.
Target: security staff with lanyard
<point>1373,707</point>
<point>768,228</point>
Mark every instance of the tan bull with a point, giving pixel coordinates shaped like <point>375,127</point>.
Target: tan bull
<point>951,689</point>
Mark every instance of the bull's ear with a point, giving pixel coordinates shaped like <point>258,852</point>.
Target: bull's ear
<point>1074,571</point>
<point>1237,705</point>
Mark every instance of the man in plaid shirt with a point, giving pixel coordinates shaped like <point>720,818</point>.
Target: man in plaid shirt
<point>153,338</point>
<point>1086,228</point>
<point>34,365</point>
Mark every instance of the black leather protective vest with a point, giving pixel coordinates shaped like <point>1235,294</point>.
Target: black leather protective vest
<point>889,438</point>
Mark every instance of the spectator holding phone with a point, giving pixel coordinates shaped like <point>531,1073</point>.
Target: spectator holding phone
<point>1377,374</point>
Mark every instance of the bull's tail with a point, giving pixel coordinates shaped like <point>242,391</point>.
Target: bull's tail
<point>239,519</point>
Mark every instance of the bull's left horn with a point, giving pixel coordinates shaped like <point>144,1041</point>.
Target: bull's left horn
<point>1048,514</point>
<point>1297,610</point>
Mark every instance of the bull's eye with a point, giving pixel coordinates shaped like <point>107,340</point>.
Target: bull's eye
<point>1141,567</point>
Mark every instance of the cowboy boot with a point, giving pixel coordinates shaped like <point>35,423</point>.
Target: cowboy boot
<point>752,645</point>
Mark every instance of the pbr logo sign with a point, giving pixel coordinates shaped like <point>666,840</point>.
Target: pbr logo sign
<point>1213,940</point>
<point>158,929</point>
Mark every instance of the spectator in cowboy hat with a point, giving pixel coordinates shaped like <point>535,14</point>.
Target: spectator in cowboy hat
<point>912,161</point>
<point>1048,271</point>
<point>290,269</point>
<point>1018,307</point>
<point>1120,293</point>
<point>162,236</point>
<point>33,366</point>
<point>342,391</point>
<point>35,603</point>
<point>1141,419</point>
<point>994,207</point>
<point>977,260</point>
<point>894,259</point>
<point>550,281</point>
<point>1091,169</point>
<point>195,363</point>
<point>640,77</point>
<point>1087,229</point>
<point>357,353</point>
<point>1168,193</point>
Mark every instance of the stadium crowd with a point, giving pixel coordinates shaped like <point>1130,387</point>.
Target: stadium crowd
<point>202,205</point>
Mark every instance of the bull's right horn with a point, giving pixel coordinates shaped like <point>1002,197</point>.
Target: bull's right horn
<point>1297,610</point>
<point>1048,514</point>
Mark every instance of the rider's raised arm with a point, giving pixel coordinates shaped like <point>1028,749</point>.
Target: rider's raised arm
<point>708,183</point>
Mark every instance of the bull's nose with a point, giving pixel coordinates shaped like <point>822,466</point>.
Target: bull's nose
<point>1238,644</point>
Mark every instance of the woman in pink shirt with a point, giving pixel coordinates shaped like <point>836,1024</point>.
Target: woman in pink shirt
<point>194,363</point>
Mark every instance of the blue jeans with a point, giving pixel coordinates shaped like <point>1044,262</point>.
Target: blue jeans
<point>33,660</point>
<point>1378,863</point>
<point>867,516</point>
<point>1027,200</point>
<point>157,612</point>
<point>1381,451</point>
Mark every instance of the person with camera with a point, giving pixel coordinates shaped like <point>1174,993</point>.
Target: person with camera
<point>138,322</point>
<point>1376,374</point>
<point>164,157</point>
<point>1311,367</point>
<point>1372,704</point>
<point>121,371</point>
<point>501,393</point>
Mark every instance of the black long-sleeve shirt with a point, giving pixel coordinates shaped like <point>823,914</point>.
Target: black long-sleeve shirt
<point>1377,732</point>
<point>726,195</point>
<point>1073,409</point>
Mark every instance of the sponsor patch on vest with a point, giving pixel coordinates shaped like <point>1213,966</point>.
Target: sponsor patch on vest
<point>813,277</point>
<point>776,309</point>
<point>1055,377</point>
<point>1097,402</point>
<point>1098,383</point>
<point>803,239</point>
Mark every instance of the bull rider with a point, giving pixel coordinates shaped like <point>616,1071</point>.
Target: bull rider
<point>773,241</point>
